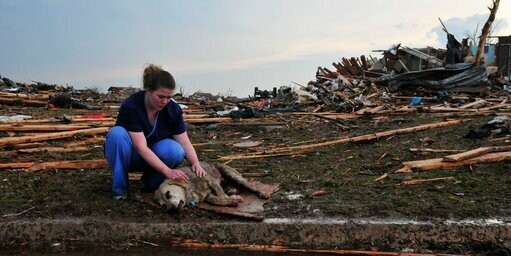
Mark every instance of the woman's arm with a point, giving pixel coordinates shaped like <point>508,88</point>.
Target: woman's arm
<point>190,154</point>
<point>140,144</point>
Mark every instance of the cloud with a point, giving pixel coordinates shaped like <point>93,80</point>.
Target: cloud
<point>467,27</point>
<point>292,52</point>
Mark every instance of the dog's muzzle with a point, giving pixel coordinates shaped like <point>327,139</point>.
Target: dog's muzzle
<point>174,209</point>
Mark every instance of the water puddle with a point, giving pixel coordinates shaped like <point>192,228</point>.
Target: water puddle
<point>337,221</point>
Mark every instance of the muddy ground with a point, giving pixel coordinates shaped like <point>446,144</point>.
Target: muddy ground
<point>344,175</point>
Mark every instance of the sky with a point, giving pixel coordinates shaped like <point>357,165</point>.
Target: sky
<point>223,47</point>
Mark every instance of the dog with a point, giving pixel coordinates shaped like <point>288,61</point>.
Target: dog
<point>174,195</point>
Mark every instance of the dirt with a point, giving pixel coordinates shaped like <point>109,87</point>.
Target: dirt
<point>344,175</point>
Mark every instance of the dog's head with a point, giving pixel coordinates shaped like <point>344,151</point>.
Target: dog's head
<point>172,197</point>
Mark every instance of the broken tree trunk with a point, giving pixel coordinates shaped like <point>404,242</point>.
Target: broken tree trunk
<point>52,136</point>
<point>485,31</point>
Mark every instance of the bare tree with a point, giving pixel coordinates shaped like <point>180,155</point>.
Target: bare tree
<point>486,31</point>
<point>472,36</point>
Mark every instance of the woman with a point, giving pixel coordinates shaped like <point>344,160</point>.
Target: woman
<point>150,136</point>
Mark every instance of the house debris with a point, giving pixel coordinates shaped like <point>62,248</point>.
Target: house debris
<point>405,80</point>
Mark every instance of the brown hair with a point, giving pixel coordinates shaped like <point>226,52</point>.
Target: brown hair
<point>155,77</point>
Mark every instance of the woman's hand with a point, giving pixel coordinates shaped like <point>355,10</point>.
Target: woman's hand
<point>176,174</point>
<point>198,170</point>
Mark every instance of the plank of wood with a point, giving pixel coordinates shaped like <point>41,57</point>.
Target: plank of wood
<point>467,154</point>
<point>434,150</point>
<point>420,181</point>
<point>52,136</point>
<point>30,145</point>
<point>22,102</point>
<point>475,152</point>
<point>446,109</point>
<point>369,136</point>
<point>74,164</point>
<point>300,149</point>
<point>44,128</point>
<point>476,104</point>
<point>497,106</point>
<point>408,98</point>
<point>438,163</point>
<point>89,141</point>
<point>246,215</point>
<point>328,114</point>
<point>209,120</point>
<point>41,97</point>
<point>194,116</point>
<point>57,121</point>
<point>399,111</point>
<point>16,165</point>
<point>366,111</point>
<point>258,155</point>
<point>53,150</point>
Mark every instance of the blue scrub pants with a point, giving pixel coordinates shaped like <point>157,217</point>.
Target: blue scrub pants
<point>123,158</point>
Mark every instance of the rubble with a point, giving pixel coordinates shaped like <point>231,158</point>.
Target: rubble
<point>403,82</point>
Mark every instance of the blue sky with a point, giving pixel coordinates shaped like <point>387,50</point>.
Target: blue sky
<point>219,46</point>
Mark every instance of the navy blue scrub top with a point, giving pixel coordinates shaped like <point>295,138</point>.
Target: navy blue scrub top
<point>133,117</point>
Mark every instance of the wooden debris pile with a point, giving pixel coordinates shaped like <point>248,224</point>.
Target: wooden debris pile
<point>355,83</point>
<point>39,94</point>
<point>406,80</point>
<point>118,94</point>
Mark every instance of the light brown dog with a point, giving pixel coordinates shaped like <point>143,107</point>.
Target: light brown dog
<point>174,195</point>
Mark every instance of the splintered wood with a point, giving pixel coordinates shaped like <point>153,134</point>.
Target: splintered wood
<point>441,163</point>
<point>294,150</point>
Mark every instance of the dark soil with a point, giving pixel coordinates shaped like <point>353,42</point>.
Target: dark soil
<point>346,173</point>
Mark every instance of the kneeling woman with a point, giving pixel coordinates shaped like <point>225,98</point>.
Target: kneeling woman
<point>150,136</point>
